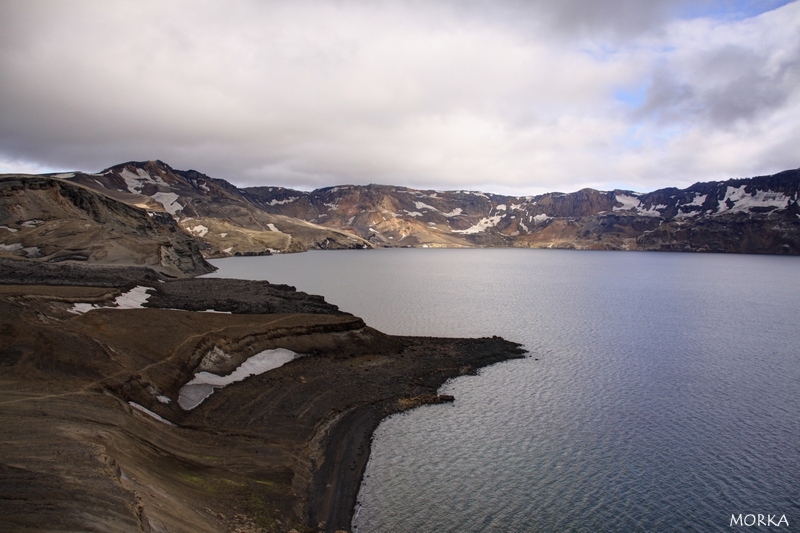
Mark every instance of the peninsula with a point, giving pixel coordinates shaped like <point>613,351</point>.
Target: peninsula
<point>94,437</point>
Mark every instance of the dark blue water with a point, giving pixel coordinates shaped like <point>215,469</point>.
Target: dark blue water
<point>665,397</point>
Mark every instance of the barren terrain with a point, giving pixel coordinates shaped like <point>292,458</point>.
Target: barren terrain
<point>280,451</point>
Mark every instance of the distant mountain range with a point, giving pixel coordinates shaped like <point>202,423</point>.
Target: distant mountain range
<point>190,212</point>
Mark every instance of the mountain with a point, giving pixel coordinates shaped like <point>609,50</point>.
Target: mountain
<point>756,215</point>
<point>219,214</point>
<point>52,220</point>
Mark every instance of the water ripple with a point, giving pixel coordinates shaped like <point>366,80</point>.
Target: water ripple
<point>665,395</point>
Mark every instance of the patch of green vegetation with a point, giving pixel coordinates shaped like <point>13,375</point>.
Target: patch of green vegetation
<point>206,458</point>
<point>260,513</point>
<point>230,482</point>
<point>193,479</point>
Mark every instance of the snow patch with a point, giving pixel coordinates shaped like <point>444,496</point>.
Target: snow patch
<point>65,176</point>
<point>147,411</point>
<point>421,205</point>
<point>413,213</point>
<point>199,230</point>
<point>163,399</point>
<point>454,213</point>
<point>223,235</point>
<point>136,182</point>
<point>652,211</point>
<point>501,207</point>
<point>272,227</point>
<point>169,200</point>
<point>12,230</point>
<point>743,201</point>
<point>133,299</point>
<point>10,247</point>
<point>286,201</point>
<point>698,200</point>
<point>484,224</point>
<point>629,203</point>
<point>538,219</point>
<point>32,223</point>
<point>204,384</point>
<point>227,250</point>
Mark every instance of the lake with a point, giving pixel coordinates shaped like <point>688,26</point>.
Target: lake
<point>662,391</point>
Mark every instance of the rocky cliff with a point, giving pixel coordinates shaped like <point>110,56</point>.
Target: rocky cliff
<point>95,437</point>
<point>219,214</point>
<point>47,219</point>
<point>754,215</point>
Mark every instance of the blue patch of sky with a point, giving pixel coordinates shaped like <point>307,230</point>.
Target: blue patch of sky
<point>729,9</point>
<point>632,96</point>
<point>632,138</point>
<point>600,51</point>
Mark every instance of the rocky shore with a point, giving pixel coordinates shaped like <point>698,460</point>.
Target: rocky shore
<point>94,438</point>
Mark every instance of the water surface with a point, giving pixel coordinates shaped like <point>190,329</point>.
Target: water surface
<point>664,397</point>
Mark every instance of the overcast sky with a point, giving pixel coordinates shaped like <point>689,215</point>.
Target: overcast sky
<point>504,96</point>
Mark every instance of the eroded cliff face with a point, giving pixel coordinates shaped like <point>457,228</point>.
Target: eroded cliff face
<point>754,215</point>
<point>217,213</point>
<point>51,220</point>
<point>94,434</point>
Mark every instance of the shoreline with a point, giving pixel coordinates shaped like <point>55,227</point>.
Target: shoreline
<point>348,445</point>
<point>282,450</point>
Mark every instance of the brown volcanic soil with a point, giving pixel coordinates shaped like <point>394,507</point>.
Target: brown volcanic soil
<point>278,451</point>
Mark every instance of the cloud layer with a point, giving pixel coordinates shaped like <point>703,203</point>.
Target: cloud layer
<point>519,97</point>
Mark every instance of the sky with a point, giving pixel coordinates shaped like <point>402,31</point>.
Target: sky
<point>505,96</point>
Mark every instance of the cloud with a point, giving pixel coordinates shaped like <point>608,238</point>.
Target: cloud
<point>504,96</point>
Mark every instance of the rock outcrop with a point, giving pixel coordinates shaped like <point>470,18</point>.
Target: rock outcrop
<point>754,215</point>
<point>47,219</point>
<point>219,214</point>
<point>95,438</point>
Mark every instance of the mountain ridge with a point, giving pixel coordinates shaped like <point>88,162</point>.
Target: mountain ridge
<point>740,215</point>
<point>52,220</point>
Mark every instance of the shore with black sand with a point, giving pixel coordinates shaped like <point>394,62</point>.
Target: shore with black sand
<point>94,438</point>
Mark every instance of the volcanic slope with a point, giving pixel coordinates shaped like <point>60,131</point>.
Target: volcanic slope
<point>754,215</point>
<point>47,219</point>
<point>95,438</point>
<point>216,212</point>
